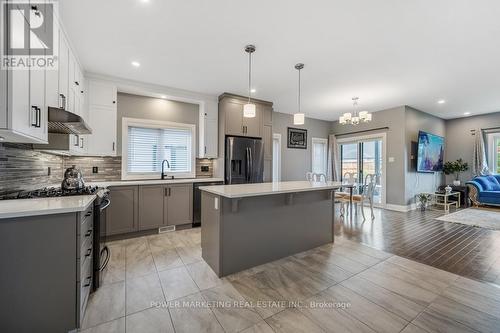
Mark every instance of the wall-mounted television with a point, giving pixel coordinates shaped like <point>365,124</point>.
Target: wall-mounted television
<point>430,152</point>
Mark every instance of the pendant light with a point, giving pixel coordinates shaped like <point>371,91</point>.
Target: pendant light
<point>299,117</point>
<point>249,108</point>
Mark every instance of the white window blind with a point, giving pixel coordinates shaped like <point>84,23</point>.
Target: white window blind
<point>319,155</point>
<point>148,147</point>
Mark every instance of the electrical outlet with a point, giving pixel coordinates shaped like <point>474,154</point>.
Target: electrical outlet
<point>95,170</point>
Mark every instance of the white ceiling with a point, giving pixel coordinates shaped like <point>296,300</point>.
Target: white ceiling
<point>387,52</point>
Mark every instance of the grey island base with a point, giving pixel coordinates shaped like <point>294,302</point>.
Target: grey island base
<point>244,226</point>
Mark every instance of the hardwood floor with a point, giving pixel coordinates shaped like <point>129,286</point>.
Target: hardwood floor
<point>464,250</point>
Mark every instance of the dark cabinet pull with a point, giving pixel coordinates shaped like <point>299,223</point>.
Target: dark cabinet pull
<point>33,115</point>
<point>81,142</point>
<point>89,232</point>
<point>113,146</point>
<point>88,214</point>
<point>169,191</point>
<point>38,117</point>
<point>63,101</point>
<point>205,150</point>
<point>77,83</point>
<point>89,278</point>
<point>77,141</point>
<point>89,252</point>
<point>166,191</point>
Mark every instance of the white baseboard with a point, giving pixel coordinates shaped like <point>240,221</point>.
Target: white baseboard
<point>401,208</point>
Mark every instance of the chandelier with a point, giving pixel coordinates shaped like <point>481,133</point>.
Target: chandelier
<point>356,117</point>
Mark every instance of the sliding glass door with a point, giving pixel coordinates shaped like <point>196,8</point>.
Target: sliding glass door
<point>362,157</point>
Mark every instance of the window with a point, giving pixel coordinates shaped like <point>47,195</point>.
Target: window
<point>493,143</point>
<point>148,143</point>
<point>319,155</point>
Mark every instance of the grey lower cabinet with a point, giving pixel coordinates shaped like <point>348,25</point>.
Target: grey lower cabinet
<point>178,204</point>
<point>46,275</point>
<point>122,214</point>
<point>145,207</point>
<point>151,200</point>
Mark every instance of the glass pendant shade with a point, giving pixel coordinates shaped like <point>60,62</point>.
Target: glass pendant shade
<point>363,115</point>
<point>369,117</point>
<point>299,118</point>
<point>355,120</point>
<point>249,110</point>
<point>347,116</point>
<point>342,120</point>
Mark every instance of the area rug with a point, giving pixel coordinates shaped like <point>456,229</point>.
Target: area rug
<point>477,217</point>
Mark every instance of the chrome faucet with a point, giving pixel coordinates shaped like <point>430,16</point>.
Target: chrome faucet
<point>163,168</point>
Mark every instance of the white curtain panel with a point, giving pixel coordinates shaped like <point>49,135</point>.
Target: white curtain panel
<point>479,163</point>
<point>333,170</point>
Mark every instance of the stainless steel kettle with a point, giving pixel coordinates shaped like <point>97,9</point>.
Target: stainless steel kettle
<point>73,179</point>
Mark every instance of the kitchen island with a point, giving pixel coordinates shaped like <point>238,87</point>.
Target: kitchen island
<point>248,225</point>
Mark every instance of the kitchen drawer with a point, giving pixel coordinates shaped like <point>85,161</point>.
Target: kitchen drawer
<point>85,285</point>
<point>86,230</point>
<point>86,251</point>
<point>87,214</point>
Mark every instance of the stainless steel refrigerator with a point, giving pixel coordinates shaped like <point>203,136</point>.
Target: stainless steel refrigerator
<point>244,161</point>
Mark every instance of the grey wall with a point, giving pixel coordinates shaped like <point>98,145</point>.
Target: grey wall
<point>415,183</point>
<point>460,142</point>
<point>394,119</point>
<point>134,106</point>
<point>296,162</point>
<point>404,122</point>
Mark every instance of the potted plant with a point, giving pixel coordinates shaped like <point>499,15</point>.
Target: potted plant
<point>424,199</point>
<point>455,168</point>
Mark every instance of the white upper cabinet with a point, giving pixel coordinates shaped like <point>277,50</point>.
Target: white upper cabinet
<point>208,132</point>
<point>23,117</point>
<point>102,94</point>
<point>102,97</point>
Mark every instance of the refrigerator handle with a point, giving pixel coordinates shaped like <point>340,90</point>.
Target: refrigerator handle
<point>230,160</point>
<point>247,171</point>
<point>250,173</point>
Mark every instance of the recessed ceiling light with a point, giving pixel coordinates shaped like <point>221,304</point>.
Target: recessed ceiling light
<point>441,101</point>
<point>466,113</point>
<point>136,64</point>
<point>253,91</point>
<point>145,1</point>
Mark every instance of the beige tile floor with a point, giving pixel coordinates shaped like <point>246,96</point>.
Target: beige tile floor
<point>160,283</point>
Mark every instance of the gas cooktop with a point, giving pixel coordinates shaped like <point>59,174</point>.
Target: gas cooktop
<point>50,192</point>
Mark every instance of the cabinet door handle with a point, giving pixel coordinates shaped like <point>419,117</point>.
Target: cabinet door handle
<point>169,191</point>
<point>205,150</point>
<point>113,146</point>
<point>166,191</point>
<point>77,141</point>
<point>33,116</point>
<point>89,252</point>
<point>88,214</point>
<point>89,232</point>
<point>62,101</point>
<point>77,83</point>
<point>38,117</point>
<point>81,142</point>
<point>89,278</point>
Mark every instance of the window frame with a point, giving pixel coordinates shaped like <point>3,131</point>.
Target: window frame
<point>321,141</point>
<point>492,141</point>
<point>156,124</point>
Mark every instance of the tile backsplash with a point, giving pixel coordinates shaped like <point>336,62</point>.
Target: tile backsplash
<point>22,168</point>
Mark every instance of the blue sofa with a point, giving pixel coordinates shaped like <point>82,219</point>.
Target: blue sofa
<point>485,190</point>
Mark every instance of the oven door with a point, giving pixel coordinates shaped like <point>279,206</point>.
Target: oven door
<point>101,250</point>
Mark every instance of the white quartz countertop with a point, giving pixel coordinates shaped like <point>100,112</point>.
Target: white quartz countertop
<point>253,190</point>
<point>154,182</point>
<point>44,206</point>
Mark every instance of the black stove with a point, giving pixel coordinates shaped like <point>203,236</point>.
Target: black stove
<point>50,192</point>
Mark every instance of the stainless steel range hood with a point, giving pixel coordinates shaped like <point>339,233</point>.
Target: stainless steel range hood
<point>65,122</point>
